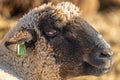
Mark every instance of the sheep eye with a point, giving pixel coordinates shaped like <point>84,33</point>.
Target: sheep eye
<point>52,33</point>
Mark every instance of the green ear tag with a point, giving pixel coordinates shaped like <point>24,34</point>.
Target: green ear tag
<point>21,49</point>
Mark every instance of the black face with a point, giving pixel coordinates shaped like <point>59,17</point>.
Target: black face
<point>78,48</point>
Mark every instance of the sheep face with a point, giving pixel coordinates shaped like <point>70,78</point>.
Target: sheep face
<point>78,48</point>
<point>69,43</point>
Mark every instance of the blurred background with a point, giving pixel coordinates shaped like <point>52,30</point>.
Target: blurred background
<point>103,15</point>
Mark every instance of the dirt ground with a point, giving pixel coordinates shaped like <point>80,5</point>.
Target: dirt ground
<point>107,23</point>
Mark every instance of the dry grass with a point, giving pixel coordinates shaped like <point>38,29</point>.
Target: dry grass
<point>108,24</point>
<point>5,25</point>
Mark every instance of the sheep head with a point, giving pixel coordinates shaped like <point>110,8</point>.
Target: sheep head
<point>59,34</point>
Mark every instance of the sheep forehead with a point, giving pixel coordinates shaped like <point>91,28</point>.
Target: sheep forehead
<point>69,9</point>
<point>63,11</point>
<point>61,14</point>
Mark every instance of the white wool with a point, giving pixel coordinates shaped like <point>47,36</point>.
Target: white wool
<point>69,9</point>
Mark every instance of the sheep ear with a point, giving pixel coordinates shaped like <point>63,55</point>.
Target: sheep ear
<point>19,40</point>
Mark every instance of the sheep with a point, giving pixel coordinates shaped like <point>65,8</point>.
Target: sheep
<point>58,44</point>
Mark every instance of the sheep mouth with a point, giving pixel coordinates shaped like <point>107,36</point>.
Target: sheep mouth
<point>104,70</point>
<point>100,67</point>
<point>90,69</point>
